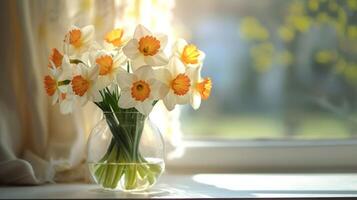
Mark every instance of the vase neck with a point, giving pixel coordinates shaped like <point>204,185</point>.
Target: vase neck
<point>125,118</point>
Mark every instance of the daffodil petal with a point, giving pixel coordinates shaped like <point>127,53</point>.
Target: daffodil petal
<point>169,101</point>
<point>119,58</point>
<point>131,49</point>
<point>88,33</point>
<point>163,40</point>
<point>144,107</point>
<point>157,89</point>
<point>195,74</point>
<point>158,59</point>
<point>63,88</point>
<point>137,63</point>
<point>179,46</point>
<point>125,100</point>
<point>82,69</point>
<point>141,31</point>
<point>184,99</point>
<point>102,82</point>
<point>96,95</point>
<point>55,98</point>
<point>195,100</point>
<point>125,80</point>
<point>202,56</point>
<point>144,73</point>
<point>163,75</point>
<point>176,66</point>
<point>93,72</point>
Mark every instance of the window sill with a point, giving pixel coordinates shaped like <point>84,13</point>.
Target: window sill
<point>268,156</point>
<point>208,186</point>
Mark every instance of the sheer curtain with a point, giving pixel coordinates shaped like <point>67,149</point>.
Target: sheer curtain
<point>37,143</point>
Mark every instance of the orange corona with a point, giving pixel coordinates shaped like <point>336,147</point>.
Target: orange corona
<point>75,38</point>
<point>181,84</point>
<point>204,88</point>
<point>105,64</point>
<point>56,58</point>
<point>80,85</point>
<point>190,54</point>
<point>140,90</point>
<point>149,45</point>
<point>50,85</point>
<point>115,37</point>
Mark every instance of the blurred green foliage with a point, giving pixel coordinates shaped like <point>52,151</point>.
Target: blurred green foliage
<point>299,19</point>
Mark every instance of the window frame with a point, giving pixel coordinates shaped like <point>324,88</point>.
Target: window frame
<point>265,156</point>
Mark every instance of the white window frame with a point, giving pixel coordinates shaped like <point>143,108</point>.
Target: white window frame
<point>266,156</point>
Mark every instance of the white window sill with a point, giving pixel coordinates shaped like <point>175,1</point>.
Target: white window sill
<point>207,186</point>
<point>266,156</point>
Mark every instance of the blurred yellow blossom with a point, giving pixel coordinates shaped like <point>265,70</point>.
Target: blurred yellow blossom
<point>252,29</point>
<point>286,33</point>
<point>313,5</point>
<point>342,16</point>
<point>347,69</point>
<point>300,22</point>
<point>296,8</point>
<point>352,4</point>
<point>333,6</point>
<point>325,56</point>
<point>323,17</point>
<point>352,32</point>
<point>300,17</point>
<point>262,56</point>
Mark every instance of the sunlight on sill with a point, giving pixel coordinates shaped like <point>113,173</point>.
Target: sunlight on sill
<point>279,182</point>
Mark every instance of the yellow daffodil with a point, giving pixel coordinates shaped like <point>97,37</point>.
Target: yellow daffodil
<point>115,39</point>
<point>78,40</point>
<point>146,48</point>
<point>177,82</point>
<point>138,89</point>
<point>189,54</point>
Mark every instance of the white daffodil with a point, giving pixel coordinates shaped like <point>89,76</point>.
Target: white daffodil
<point>78,40</point>
<point>189,54</point>
<point>84,84</point>
<point>200,88</point>
<point>146,48</point>
<point>138,89</point>
<point>59,78</point>
<point>109,66</point>
<point>177,81</point>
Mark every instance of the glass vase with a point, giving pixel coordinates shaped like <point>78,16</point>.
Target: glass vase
<point>125,152</point>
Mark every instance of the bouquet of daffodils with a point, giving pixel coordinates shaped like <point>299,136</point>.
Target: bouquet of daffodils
<point>122,75</point>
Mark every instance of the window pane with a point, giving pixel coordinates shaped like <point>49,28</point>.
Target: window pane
<point>280,69</point>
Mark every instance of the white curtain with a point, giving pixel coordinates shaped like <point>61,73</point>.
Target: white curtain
<point>37,143</point>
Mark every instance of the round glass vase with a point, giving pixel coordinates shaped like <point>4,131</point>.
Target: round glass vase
<point>125,152</point>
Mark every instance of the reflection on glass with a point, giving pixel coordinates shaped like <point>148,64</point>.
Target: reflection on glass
<point>280,69</point>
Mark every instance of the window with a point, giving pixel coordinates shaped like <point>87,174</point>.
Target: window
<point>280,69</point>
<point>284,83</point>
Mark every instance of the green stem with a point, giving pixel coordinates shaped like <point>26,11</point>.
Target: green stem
<point>123,157</point>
